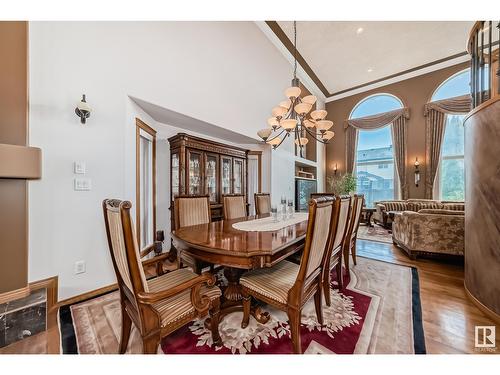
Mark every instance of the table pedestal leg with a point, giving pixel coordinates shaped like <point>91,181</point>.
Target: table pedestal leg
<point>232,298</point>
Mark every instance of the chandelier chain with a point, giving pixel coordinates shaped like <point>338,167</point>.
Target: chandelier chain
<point>295,49</point>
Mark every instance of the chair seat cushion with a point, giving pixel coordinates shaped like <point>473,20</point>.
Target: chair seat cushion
<point>274,282</point>
<point>178,306</point>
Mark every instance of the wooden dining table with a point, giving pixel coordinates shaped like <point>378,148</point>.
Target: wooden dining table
<point>237,251</point>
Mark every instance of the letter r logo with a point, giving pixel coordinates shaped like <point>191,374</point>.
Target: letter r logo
<point>485,336</point>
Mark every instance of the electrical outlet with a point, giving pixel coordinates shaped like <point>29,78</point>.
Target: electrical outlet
<point>83,184</point>
<point>79,267</point>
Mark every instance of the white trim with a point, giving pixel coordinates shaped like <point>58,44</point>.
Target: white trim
<point>400,78</point>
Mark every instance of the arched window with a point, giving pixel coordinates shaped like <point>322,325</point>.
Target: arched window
<point>375,171</point>
<point>450,182</point>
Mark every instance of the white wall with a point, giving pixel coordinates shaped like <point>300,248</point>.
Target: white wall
<point>224,73</point>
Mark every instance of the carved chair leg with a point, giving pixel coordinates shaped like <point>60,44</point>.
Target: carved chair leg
<point>150,345</point>
<point>247,302</point>
<point>340,279</point>
<point>326,288</point>
<point>354,252</point>
<point>126,328</point>
<point>215,320</point>
<point>318,306</point>
<point>294,319</point>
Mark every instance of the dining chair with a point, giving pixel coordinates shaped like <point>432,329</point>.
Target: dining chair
<point>334,257</point>
<point>234,206</point>
<point>288,286</point>
<point>160,305</point>
<point>262,203</point>
<point>191,210</point>
<point>349,245</point>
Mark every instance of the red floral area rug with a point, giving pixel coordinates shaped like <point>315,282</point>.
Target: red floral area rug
<point>378,311</point>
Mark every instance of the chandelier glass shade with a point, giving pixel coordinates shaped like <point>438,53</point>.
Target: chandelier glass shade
<point>295,115</point>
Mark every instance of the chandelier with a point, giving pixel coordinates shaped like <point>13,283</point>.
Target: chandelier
<point>294,115</point>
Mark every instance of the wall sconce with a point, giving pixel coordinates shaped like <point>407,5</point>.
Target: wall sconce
<point>417,172</point>
<point>83,110</point>
<point>335,169</point>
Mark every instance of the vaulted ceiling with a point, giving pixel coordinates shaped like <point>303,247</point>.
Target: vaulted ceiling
<point>340,56</point>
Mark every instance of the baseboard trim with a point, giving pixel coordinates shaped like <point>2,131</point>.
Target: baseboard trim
<point>484,309</point>
<point>14,294</point>
<point>88,295</point>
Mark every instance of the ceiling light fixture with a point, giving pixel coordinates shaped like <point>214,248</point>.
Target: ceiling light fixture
<point>370,70</point>
<point>359,30</point>
<point>294,115</point>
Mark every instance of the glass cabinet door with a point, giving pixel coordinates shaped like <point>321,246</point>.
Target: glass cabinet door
<point>194,173</point>
<point>175,175</point>
<point>238,176</point>
<point>211,183</point>
<point>226,174</point>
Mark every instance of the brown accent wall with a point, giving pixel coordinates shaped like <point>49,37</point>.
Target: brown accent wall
<point>13,130</point>
<point>414,93</point>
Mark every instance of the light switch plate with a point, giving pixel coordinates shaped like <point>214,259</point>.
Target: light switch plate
<point>83,184</point>
<point>80,167</point>
<point>80,267</point>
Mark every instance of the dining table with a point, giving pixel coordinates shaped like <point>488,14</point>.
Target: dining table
<point>263,243</point>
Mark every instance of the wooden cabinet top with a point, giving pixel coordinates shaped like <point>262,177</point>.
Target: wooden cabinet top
<point>186,140</point>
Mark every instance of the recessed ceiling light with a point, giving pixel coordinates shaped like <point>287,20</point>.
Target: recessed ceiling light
<point>370,70</point>
<point>359,30</point>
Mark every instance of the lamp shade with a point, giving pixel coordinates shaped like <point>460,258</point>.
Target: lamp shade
<point>279,111</point>
<point>271,121</point>
<point>289,124</point>
<point>324,125</point>
<point>286,104</point>
<point>302,141</point>
<point>309,124</point>
<point>264,133</point>
<point>318,114</point>
<point>303,108</point>
<point>274,142</point>
<point>328,135</point>
<point>309,99</point>
<point>292,92</point>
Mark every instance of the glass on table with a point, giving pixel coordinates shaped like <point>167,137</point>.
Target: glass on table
<point>274,213</point>
<point>290,209</point>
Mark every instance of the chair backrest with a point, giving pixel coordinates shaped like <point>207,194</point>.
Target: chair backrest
<point>318,236</point>
<point>357,207</point>
<point>262,203</point>
<point>342,221</point>
<point>124,249</point>
<point>191,210</point>
<point>319,195</point>
<point>234,206</point>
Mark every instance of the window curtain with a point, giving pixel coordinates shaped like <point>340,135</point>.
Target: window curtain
<point>435,122</point>
<point>253,181</point>
<point>398,119</point>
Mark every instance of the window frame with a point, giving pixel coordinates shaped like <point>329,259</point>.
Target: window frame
<point>143,127</point>
<point>437,192</point>
<point>396,182</point>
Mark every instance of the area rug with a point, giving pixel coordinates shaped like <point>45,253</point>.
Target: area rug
<point>375,233</point>
<point>378,312</point>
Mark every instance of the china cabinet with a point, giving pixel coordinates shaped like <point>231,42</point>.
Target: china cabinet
<point>203,167</point>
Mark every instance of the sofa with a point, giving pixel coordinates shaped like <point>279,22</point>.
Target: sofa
<point>381,216</point>
<point>430,232</point>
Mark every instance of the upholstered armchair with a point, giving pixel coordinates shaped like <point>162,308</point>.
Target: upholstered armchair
<point>288,286</point>
<point>160,305</point>
<point>430,232</point>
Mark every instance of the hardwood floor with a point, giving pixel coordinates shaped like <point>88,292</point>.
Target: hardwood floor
<point>449,317</point>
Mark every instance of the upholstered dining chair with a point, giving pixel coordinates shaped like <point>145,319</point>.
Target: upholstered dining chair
<point>191,210</point>
<point>160,305</point>
<point>262,203</point>
<point>234,206</point>
<point>288,286</point>
<point>334,257</point>
<point>349,245</point>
